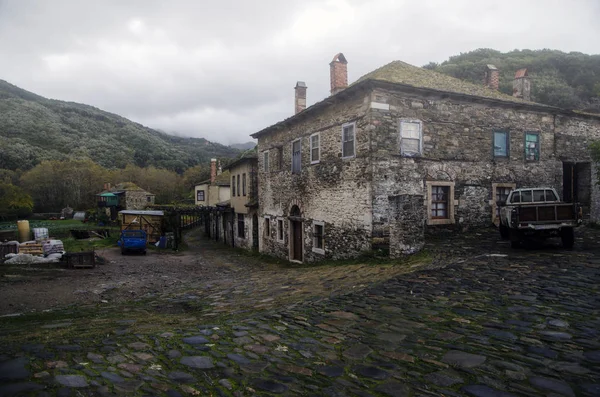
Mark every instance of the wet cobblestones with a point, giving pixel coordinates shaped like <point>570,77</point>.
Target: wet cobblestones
<point>494,322</point>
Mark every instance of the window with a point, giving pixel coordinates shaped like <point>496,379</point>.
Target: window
<point>500,192</point>
<point>266,161</point>
<point>501,144</point>
<point>238,185</point>
<point>410,137</point>
<point>318,241</point>
<point>243,184</point>
<point>348,140</point>
<point>233,186</point>
<point>241,228</point>
<point>440,203</point>
<point>148,199</point>
<point>296,157</point>
<point>532,146</point>
<point>280,158</point>
<point>199,195</point>
<point>315,148</point>
<point>280,230</point>
<point>267,227</point>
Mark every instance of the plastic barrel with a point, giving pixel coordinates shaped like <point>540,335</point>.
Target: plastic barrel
<point>23,228</point>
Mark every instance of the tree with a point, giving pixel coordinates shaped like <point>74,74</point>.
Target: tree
<point>57,184</point>
<point>14,201</point>
<point>194,175</point>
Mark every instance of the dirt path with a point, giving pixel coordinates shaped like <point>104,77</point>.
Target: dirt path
<point>225,279</point>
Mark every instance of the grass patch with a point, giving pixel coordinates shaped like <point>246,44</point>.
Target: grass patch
<point>367,258</point>
<point>72,244</point>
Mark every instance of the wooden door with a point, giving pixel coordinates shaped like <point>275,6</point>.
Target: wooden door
<point>297,240</point>
<point>255,232</point>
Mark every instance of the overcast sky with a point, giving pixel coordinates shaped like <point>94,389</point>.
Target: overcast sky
<point>225,69</point>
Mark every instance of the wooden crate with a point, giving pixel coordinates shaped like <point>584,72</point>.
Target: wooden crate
<point>33,249</point>
<point>6,249</point>
<point>86,259</point>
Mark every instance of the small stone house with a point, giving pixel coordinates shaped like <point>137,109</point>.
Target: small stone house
<point>243,221</point>
<point>404,151</point>
<point>212,191</point>
<point>123,196</point>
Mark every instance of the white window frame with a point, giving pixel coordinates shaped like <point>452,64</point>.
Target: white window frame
<point>292,162</point>
<point>451,203</point>
<point>353,125</point>
<point>314,249</point>
<point>197,192</point>
<point>411,121</point>
<point>495,186</point>
<point>280,222</point>
<point>266,161</point>
<point>310,140</point>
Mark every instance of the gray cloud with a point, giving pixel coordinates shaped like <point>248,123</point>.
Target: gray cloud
<point>223,70</point>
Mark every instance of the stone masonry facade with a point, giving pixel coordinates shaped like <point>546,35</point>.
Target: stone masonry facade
<point>457,153</point>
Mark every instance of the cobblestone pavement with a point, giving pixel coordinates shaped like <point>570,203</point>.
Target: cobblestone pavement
<point>482,320</point>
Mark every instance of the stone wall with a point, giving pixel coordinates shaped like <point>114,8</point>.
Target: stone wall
<point>334,191</point>
<point>407,224</point>
<point>351,197</point>
<point>138,199</point>
<point>457,139</point>
<point>247,240</point>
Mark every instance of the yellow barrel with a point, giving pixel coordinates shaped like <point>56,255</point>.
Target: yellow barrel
<point>23,228</point>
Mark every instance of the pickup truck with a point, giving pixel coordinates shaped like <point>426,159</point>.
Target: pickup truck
<point>536,214</point>
<point>132,241</point>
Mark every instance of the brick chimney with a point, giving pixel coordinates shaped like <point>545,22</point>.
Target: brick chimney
<point>107,186</point>
<point>338,71</point>
<point>491,77</point>
<point>213,170</point>
<point>300,97</point>
<point>522,85</point>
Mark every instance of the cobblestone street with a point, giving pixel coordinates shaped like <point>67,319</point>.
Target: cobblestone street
<point>480,319</point>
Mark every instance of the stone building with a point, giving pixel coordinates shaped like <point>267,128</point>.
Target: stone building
<point>123,196</point>
<point>242,222</point>
<point>404,151</point>
<point>214,190</point>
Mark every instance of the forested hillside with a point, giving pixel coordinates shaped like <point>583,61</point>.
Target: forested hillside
<point>567,80</point>
<point>33,129</point>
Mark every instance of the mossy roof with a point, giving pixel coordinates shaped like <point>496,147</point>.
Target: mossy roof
<point>403,73</point>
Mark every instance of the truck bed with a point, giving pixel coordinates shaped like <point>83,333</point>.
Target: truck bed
<point>547,213</point>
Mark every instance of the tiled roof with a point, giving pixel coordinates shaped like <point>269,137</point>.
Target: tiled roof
<point>402,73</point>
<point>521,73</point>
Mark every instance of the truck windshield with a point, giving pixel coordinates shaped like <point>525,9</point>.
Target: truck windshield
<point>534,196</point>
<point>135,234</point>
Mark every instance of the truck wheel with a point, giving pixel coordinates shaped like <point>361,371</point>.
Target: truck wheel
<point>567,236</point>
<point>504,232</point>
<point>515,239</point>
<point>122,251</point>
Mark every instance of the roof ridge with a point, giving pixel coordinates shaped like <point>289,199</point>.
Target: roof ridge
<point>401,72</point>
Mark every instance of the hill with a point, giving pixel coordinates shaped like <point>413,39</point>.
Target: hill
<point>34,128</point>
<point>243,146</point>
<point>566,80</point>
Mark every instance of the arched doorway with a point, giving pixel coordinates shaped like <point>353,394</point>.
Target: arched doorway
<point>295,234</point>
<point>255,232</point>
